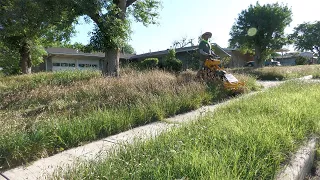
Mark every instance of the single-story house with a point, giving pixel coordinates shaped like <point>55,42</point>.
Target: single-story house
<point>290,58</point>
<point>69,59</point>
<point>188,55</point>
<point>286,60</point>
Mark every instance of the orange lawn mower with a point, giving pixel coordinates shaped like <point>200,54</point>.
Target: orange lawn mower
<point>213,72</point>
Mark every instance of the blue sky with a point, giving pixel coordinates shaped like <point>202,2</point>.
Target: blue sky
<point>190,18</point>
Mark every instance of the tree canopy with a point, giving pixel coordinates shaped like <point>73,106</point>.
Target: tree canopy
<point>128,49</point>
<point>306,37</point>
<point>26,26</point>
<point>112,24</point>
<point>261,28</point>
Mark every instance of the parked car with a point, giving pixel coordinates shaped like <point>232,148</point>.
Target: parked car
<point>266,63</point>
<point>249,64</point>
<point>272,63</point>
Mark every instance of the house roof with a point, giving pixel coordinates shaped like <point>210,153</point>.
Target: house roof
<point>178,50</point>
<point>164,52</point>
<point>74,52</point>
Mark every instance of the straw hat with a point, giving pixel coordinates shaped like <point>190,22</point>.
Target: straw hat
<point>207,33</point>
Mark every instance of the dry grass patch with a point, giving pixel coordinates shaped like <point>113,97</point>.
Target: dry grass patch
<point>280,73</point>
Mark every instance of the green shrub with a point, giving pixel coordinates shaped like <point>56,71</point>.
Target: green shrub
<point>171,63</point>
<point>149,63</point>
<point>301,60</point>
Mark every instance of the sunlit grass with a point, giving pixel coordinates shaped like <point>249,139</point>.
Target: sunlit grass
<point>250,138</point>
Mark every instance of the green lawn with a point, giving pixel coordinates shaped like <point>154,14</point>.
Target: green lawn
<point>280,73</point>
<point>46,113</point>
<point>250,138</point>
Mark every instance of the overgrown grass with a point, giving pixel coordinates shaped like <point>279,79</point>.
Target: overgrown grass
<point>280,73</point>
<point>51,112</point>
<point>250,138</point>
<point>27,82</point>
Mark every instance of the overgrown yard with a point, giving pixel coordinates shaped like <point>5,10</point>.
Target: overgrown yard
<point>280,73</point>
<point>250,138</point>
<point>43,114</point>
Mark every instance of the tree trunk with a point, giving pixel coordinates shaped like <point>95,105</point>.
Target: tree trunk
<point>25,58</point>
<point>111,63</point>
<point>257,58</point>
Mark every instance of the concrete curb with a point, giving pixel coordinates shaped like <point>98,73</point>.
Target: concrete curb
<point>301,163</point>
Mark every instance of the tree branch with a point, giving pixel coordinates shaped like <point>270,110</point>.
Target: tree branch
<point>95,17</point>
<point>130,2</point>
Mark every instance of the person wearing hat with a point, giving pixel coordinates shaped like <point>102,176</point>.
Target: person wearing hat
<point>205,49</point>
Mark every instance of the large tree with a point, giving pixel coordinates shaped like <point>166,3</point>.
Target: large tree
<point>26,25</point>
<point>261,28</point>
<point>306,37</point>
<point>112,24</point>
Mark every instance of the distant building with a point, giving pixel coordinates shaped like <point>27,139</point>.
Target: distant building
<point>289,59</point>
<point>71,59</point>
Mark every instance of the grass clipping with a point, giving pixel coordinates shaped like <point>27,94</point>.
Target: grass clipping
<point>249,138</point>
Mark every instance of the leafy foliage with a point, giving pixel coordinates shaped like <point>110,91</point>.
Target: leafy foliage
<point>145,11</point>
<point>128,49</point>
<point>76,45</point>
<point>301,60</point>
<point>112,24</point>
<point>10,58</point>
<point>28,24</point>
<point>306,37</point>
<point>111,32</point>
<point>261,28</point>
<point>171,62</point>
<point>149,63</point>
<point>9,61</point>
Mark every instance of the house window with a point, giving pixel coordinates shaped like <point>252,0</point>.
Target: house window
<point>56,64</point>
<point>72,65</point>
<point>88,65</point>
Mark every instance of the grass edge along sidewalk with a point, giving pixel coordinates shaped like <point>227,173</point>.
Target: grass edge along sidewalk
<point>45,139</point>
<point>247,139</point>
